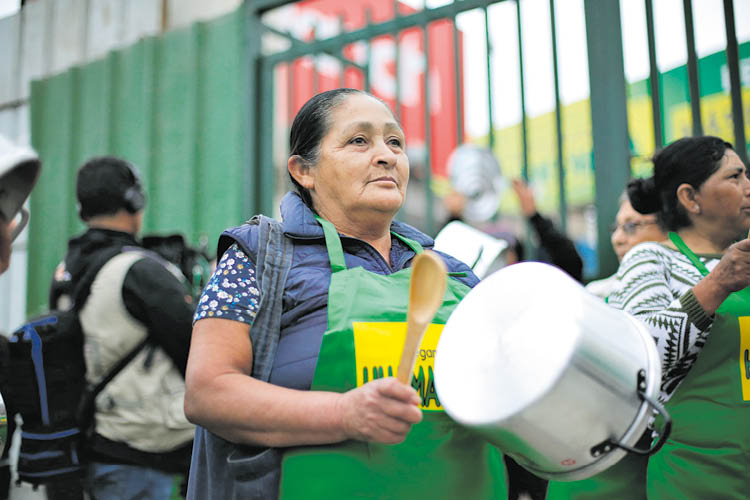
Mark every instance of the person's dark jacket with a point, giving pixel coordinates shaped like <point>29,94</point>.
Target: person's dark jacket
<point>556,248</point>
<point>153,296</point>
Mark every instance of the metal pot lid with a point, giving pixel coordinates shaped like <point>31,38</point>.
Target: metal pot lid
<point>482,376</point>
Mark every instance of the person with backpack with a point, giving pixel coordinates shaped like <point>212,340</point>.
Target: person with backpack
<point>139,436</point>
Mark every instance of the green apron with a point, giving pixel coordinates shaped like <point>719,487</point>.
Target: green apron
<point>366,331</point>
<point>707,454</point>
<point>626,480</point>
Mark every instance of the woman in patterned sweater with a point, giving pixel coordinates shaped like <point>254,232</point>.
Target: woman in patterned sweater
<point>691,293</point>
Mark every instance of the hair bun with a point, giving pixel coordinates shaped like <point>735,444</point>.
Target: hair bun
<point>643,195</point>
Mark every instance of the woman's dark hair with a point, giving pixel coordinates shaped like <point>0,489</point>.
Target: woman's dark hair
<point>689,160</point>
<point>310,126</point>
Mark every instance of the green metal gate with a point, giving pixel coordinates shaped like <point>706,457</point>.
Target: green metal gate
<point>605,169</point>
<point>194,109</point>
<point>608,102</point>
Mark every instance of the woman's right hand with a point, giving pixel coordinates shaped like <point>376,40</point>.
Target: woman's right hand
<point>731,274</point>
<point>381,411</point>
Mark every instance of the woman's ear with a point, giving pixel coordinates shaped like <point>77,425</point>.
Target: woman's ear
<point>300,172</point>
<point>686,195</point>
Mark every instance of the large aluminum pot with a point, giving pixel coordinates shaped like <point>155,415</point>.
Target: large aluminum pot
<point>549,373</point>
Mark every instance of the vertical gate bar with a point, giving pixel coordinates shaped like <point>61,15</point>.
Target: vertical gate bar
<point>342,75</point>
<point>429,198</point>
<point>397,61</point>
<point>740,144</point>
<point>254,92</point>
<point>458,83</point>
<point>368,20</point>
<point>266,167</point>
<point>692,67</point>
<point>558,123</point>
<point>290,92</point>
<point>654,77</point>
<point>314,59</point>
<point>524,124</point>
<point>488,45</point>
<point>315,76</point>
<point>609,120</point>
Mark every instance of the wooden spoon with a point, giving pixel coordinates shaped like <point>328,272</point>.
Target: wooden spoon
<point>426,290</point>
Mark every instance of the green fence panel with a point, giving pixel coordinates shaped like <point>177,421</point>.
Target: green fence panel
<point>91,112</point>
<point>132,99</point>
<point>176,107</point>
<point>221,129</point>
<point>52,201</point>
<point>172,184</point>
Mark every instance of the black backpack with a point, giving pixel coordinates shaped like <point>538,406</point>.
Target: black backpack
<point>48,388</point>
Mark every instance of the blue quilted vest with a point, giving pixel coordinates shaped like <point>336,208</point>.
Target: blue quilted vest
<point>223,470</point>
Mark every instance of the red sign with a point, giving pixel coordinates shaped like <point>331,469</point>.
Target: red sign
<point>326,18</point>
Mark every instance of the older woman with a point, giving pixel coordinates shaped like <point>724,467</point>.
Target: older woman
<point>328,420</point>
<point>691,293</point>
<point>629,229</point>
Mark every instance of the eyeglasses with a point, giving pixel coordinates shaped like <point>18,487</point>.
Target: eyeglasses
<point>630,228</point>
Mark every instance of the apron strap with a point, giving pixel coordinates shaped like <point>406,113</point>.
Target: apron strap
<point>682,247</point>
<point>333,244</point>
<point>336,251</point>
<point>409,243</point>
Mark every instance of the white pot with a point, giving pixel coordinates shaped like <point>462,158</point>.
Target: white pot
<point>548,372</point>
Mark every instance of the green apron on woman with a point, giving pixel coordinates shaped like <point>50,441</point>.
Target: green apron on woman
<point>626,480</point>
<point>707,454</point>
<point>365,335</point>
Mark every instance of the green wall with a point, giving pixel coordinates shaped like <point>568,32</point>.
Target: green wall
<point>175,106</point>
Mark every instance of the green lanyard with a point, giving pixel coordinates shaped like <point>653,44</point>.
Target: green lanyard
<point>682,247</point>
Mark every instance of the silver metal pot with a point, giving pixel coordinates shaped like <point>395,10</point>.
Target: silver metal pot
<point>549,373</point>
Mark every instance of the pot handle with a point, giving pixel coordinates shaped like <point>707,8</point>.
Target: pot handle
<point>663,434</point>
<point>607,446</point>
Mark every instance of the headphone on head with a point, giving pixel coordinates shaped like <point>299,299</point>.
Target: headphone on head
<point>133,198</point>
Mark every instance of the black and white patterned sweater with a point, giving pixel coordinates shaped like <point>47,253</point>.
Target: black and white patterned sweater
<point>655,285</point>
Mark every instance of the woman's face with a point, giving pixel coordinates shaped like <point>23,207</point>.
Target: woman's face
<point>363,166</point>
<point>724,199</point>
<point>631,228</point>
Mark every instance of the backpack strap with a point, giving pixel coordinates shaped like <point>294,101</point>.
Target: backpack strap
<point>272,266</point>
<point>82,288</point>
<point>86,408</point>
<point>81,292</point>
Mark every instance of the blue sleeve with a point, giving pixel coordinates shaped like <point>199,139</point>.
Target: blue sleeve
<point>232,292</point>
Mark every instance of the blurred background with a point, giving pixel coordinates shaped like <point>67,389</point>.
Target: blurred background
<point>572,95</point>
